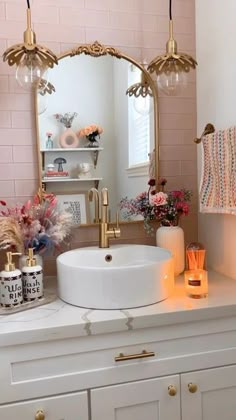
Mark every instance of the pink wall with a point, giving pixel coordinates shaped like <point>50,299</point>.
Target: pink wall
<point>137,27</point>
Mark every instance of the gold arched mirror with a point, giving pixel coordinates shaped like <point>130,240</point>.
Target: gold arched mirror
<point>90,85</point>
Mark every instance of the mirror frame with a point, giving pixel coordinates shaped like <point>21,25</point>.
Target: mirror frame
<point>97,50</point>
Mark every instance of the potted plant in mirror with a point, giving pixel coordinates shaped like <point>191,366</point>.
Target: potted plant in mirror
<point>68,138</point>
<point>166,208</point>
<point>41,225</point>
<point>91,132</point>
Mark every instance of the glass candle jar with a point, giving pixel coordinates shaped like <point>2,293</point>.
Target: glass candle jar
<point>196,283</point>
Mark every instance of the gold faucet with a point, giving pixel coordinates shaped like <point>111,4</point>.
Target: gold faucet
<point>105,231</point>
<point>94,195</point>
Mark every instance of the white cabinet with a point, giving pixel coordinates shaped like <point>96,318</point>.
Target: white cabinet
<point>67,407</point>
<point>154,399</point>
<point>204,395</point>
<point>215,396</point>
<point>52,373</point>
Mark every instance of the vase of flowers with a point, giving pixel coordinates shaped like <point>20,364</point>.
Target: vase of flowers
<point>41,225</point>
<point>166,208</point>
<point>91,132</point>
<point>68,138</point>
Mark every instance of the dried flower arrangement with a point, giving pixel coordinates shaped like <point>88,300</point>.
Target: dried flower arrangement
<point>66,119</point>
<point>166,208</point>
<point>39,225</point>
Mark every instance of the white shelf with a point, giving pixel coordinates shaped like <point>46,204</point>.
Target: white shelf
<point>65,179</point>
<point>77,149</point>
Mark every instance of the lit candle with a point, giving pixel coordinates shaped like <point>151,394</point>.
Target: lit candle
<point>196,283</point>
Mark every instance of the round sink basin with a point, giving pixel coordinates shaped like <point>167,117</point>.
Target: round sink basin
<point>120,277</point>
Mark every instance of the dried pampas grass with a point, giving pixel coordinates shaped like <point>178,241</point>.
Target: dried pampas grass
<point>10,234</point>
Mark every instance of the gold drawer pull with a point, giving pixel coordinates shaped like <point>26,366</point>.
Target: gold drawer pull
<point>172,391</point>
<point>143,355</point>
<point>192,388</point>
<point>40,415</point>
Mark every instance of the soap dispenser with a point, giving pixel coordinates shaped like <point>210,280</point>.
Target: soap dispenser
<point>32,278</point>
<point>10,283</point>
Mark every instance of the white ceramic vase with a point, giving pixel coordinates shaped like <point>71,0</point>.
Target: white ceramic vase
<point>172,238</point>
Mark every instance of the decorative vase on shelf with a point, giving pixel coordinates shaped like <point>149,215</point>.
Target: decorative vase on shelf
<point>172,238</point>
<point>92,140</point>
<point>68,138</point>
<point>23,258</point>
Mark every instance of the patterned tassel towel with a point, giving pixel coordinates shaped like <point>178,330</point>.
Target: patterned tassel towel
<point>218,183</point>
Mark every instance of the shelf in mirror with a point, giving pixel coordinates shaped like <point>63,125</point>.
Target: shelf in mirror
<point>94,150</point>
<point>67,179</point>
<point>77,149</point>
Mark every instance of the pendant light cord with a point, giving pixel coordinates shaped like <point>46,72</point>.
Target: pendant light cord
<point>170,10</point>
<point>28,4</point>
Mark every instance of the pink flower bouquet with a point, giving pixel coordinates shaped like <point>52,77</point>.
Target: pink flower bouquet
<point>166,208</point>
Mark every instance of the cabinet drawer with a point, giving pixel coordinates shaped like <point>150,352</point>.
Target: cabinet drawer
<point>69,407</point>
<point>60,366</point>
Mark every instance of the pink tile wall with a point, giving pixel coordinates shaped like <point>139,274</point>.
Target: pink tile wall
<point>137,27</point>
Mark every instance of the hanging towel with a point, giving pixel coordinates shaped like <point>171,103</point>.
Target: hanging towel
<point>218,182</point>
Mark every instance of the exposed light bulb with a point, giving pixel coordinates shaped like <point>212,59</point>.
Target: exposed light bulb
<point>29,72</point>
<point>173,81</point>
<point>42,103</point>
<point>143,105</point>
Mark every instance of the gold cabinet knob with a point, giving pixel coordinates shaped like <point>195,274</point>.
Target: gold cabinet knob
<point>40,415</point>
<point>192,387</point>
<point>172,391</point>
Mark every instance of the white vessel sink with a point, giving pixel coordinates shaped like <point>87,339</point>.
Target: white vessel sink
<point>120,277</point>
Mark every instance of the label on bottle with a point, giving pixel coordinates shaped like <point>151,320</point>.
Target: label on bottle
<point>194,282</point>
<point>32,285</point>
<point>11,290</point>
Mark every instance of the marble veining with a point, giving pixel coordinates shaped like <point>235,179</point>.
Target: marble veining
<point>88,324</point>
<point>58,320</point>
<point>129,319</point>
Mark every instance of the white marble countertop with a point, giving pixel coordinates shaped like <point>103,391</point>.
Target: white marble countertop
<point>58,320</point>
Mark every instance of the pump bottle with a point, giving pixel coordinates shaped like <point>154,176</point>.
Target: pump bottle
<point>32,278</point>
<point>10,283</point>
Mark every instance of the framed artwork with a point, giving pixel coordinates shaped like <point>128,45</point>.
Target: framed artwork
<point>76,204</point>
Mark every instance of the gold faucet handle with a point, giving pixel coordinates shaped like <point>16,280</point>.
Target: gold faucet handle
<point>104,197</point>
<point>117,220</point>
<point>116,229</point>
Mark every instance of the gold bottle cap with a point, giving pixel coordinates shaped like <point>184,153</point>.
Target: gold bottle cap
<point>9,266</point>
<point>30,261</point>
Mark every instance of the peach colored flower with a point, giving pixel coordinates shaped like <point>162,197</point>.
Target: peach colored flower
<point>159,199</point>
<point>90,129</point>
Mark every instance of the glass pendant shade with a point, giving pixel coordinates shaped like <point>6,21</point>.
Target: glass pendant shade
<point>172,67</point>
<point>142,105</point>
<point>142,94</point>
<point>42,103</point>
<point>173,81</point>
<point>29,72</point>
<point>30,58</point>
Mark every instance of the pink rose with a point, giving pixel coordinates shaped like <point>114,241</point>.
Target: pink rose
<point>159,199</point>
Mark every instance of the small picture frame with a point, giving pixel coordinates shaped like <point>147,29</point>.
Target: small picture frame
<point>77,204</point>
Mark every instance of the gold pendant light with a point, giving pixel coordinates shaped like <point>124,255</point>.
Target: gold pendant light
<point>31,59</point>
<point>141,94</point>
<point>140,89</point>
<point>172,67</point>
